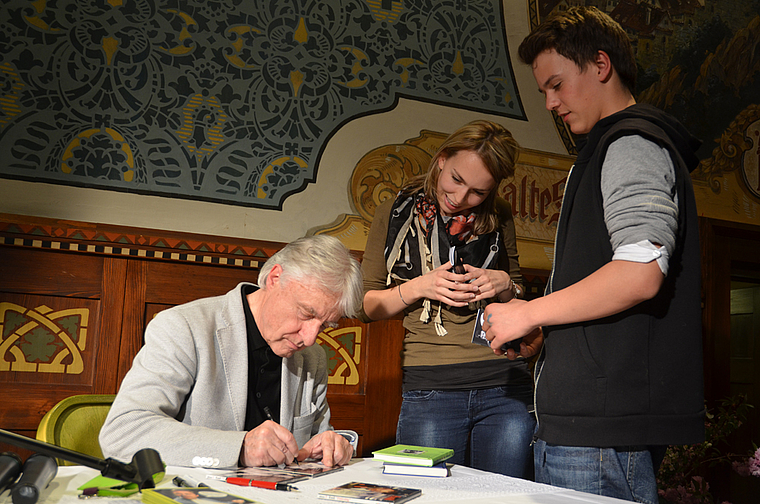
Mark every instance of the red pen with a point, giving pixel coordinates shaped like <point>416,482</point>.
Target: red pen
<point>271,485</point>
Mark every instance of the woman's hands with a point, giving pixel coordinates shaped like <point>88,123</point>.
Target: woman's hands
<point>439,284</point>
<point>442,285</point>
<point>457,290</point>
<point>489,283</point>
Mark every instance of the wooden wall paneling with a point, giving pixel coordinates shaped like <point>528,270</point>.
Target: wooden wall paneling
<point>385,340</point>
<point>728,249</point>
<point>716,334</point>
<point>48,341</point>
<point>50,272</point>
<point>176,283</point>
<point>50,311</point>
<point>348,411</point>
<point>371,406</point>
<point>111,324</point>
<point>153,286</point>
<point>133,317</point>
<point>346,390</point>
<point>716,325</point>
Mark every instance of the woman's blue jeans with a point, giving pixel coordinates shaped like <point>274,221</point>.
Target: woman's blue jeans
<point>627,473</point>
<point>495,421</point>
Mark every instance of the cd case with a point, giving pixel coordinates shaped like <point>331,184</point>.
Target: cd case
<point>479,335</point>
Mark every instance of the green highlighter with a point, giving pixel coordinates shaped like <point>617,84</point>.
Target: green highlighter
<point>109,487</point>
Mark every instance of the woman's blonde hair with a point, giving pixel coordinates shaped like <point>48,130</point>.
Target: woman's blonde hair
<point>498,150</point>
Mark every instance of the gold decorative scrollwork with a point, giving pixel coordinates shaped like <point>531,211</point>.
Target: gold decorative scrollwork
<point>382,172</point>
<point>343,348</point>
<point>356,70</point>
<point>38,340</point>
<point>238,36</point>
<point>184,44</point>
<point>77,158</point>
<point>729,156</point>
<point>202,125</point>
<point>10,106</point>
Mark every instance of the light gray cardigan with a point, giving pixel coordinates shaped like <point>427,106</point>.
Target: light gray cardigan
<point>186,393</point>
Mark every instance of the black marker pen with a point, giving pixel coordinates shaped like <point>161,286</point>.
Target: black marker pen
<point>189,482</point>
<point>270,417</point>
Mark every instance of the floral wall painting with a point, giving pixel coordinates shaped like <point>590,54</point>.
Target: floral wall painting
<point>229,101</point>
<point>700,61</point>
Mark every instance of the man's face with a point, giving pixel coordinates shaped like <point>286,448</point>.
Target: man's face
<point>573,93</point>
<point>292,314</point>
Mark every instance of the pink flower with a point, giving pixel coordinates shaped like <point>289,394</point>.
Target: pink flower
<point>741,468</point>
<point>754,463</point>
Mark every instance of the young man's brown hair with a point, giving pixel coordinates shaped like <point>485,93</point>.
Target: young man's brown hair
<point>578,34</point>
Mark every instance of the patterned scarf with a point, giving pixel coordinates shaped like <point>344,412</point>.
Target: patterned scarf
<point>458,228</point>
<point>419,239</point>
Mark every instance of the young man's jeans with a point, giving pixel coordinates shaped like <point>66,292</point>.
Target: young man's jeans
<point>626,473</point>
<point>496,419</point>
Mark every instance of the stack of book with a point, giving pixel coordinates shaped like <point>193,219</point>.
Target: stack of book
<point>415,460</point>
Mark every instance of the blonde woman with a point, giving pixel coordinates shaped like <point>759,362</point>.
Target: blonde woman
<point>455,394</point>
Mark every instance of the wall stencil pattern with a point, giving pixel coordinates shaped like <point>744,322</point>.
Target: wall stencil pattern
<point>227,100</point>
<point>343,349</point>
<point>40,340</point>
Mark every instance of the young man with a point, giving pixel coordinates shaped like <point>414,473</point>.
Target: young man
<point>234,379</point>
<point>620,375</point>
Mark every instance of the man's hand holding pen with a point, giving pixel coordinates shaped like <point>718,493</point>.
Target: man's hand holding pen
<point>271,444</point>
<point>268,444</point>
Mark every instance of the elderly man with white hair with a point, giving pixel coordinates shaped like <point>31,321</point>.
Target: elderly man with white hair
<point>235,380</point>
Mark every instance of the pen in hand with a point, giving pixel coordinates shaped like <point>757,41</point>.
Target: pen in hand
<point>268,413</point>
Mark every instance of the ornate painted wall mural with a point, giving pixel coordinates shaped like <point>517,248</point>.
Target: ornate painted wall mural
<point>697,60</point>
<point>227,100</point>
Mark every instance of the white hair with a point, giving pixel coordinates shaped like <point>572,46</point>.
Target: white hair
<point>324,261</point>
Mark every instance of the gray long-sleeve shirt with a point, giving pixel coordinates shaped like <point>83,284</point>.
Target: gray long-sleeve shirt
<point>640,205</point>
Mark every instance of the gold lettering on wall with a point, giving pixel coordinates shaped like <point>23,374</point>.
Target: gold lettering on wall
<point>40,340</point>
<point>535,195</point>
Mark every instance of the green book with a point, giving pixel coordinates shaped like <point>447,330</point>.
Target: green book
<point>413,455</point>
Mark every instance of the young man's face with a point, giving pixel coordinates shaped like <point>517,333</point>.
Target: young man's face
<point>294,313</point>
<point>575,94</point>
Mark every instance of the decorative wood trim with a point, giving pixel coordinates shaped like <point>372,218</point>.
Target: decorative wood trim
<point>124,241</point>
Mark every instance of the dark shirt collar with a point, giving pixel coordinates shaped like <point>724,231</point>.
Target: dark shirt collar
<point>255,340</point>
<point>264,371</point>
